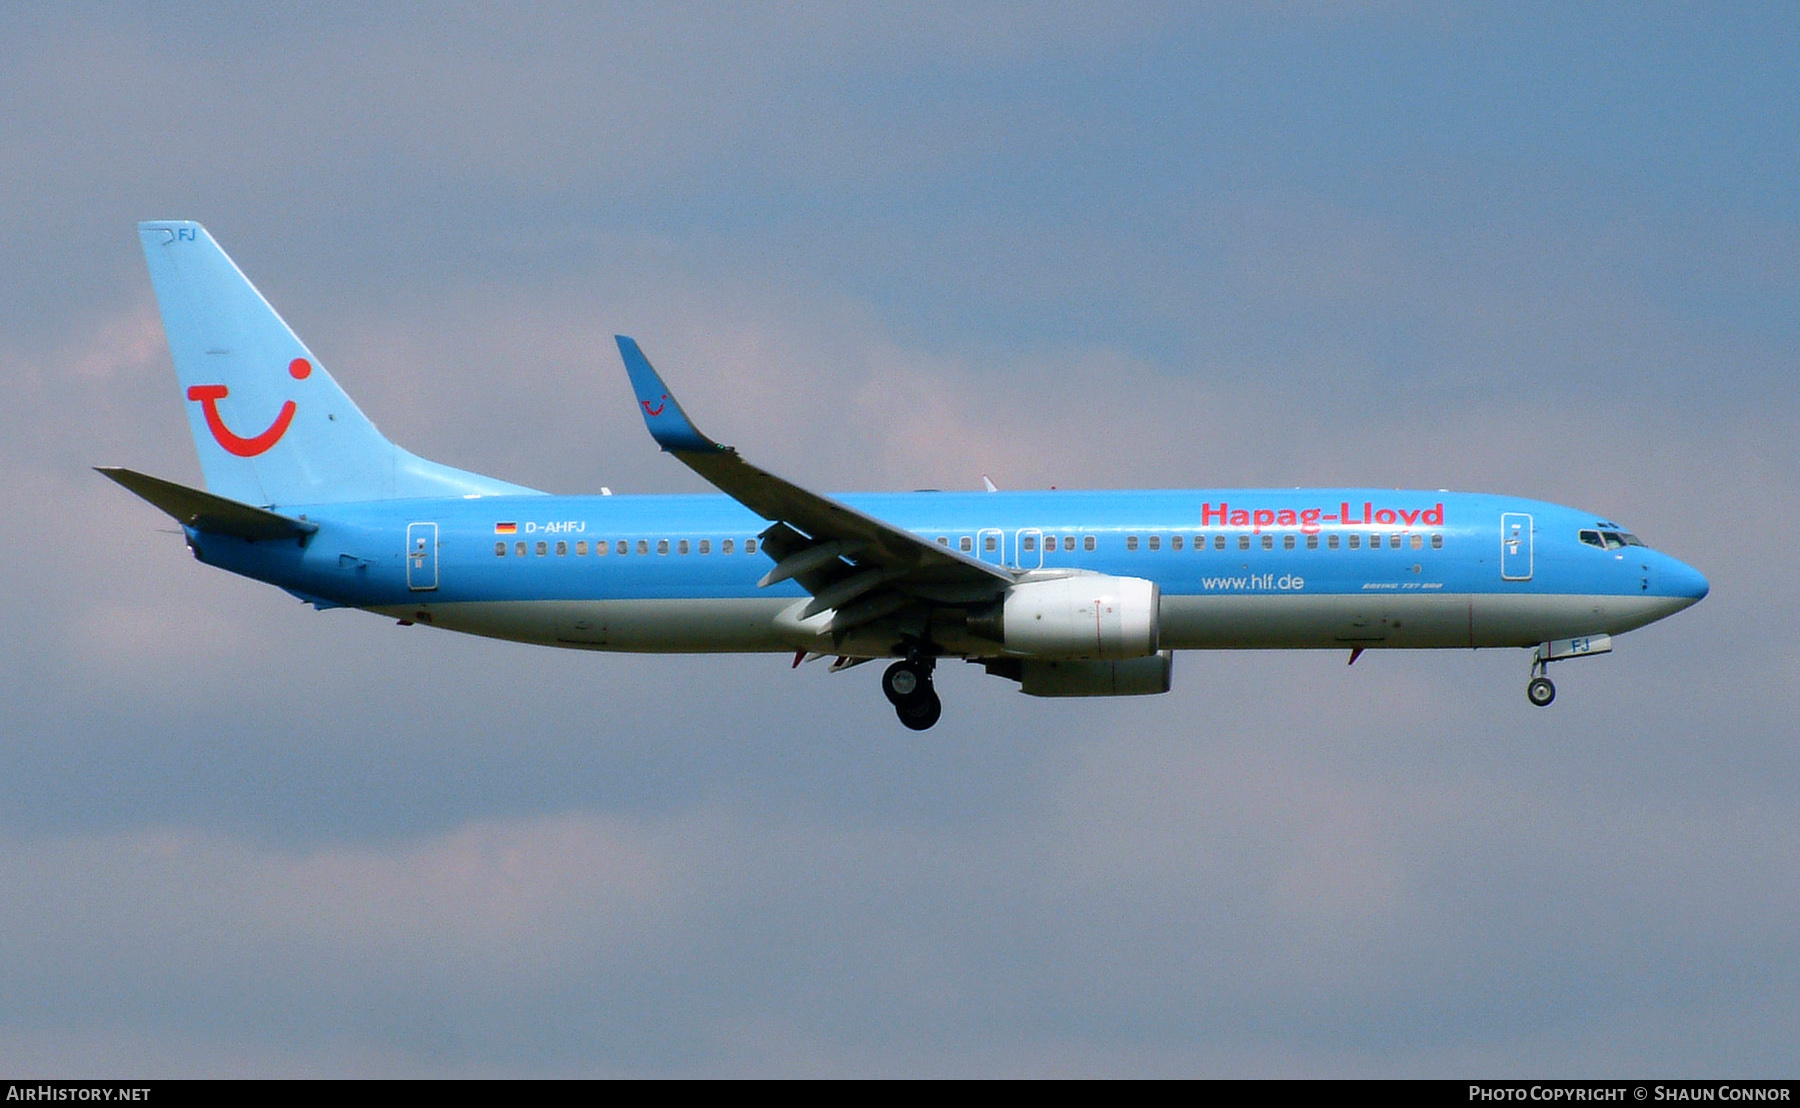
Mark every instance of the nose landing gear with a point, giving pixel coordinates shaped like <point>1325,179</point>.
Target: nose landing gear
<point>907,685</point>
<point>1540,691</point>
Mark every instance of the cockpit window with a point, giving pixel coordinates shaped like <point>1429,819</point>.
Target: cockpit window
<point>1611,540</point>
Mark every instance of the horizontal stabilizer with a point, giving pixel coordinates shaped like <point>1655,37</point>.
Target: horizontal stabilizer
<point>205,512</point>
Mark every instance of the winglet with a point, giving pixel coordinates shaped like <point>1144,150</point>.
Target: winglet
<point>668,424</point>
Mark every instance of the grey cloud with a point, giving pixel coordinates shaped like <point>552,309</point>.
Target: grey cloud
<point>1297,896</point>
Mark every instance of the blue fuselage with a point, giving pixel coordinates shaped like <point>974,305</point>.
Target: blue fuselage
<point>1236,567</point>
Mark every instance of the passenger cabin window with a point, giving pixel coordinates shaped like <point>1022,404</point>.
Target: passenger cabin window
<point>1287,542</point>
<point>706,546</point>
<point>942,541</point>
<point>543,548</point>
<point>1156,542</point>
<point>725,547</point>
<point>1312,542</point>
<point>1068,542</point>
<point>662,546</point>
<point>1331,542</point>
<point>1268,542</point>
<point>682,547</point>
<point>965,544</point>
<point>1088,542</point>
<point>1218,542</point>
<point>519,549</point>
<point>643,546</point>
<point>1437,542</point>
<point>749,546</point>
<point>988,541</point>
<point>623,546</point>
<point>1174,542</point>
<point>1355,542</point>
<point>499,550</point>
<point>562,550</point>
<point>1394,541</point>
<point>581,549</point>
<point>1029,542</point>
<point>1131,542</point>
<point>1243,542</point>
<point>1418,542</point>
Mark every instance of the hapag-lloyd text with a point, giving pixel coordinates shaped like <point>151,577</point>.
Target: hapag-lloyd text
<point>1312,520</point>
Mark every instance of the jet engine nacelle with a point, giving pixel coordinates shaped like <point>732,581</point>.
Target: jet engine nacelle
<point>1085,616</point>
<point>1130,677</point>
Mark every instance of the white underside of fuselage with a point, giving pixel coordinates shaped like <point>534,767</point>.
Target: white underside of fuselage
<point>1237,622</point>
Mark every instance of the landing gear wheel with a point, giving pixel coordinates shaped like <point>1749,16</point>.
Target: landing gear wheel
<point>907,685</point>
<point>904,682</point>
<point>922,712</point>
<point>1540,691</point>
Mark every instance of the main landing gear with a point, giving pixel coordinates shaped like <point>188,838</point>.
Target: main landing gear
<point>907,685</point>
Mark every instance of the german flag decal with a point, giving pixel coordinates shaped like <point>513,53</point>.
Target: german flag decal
<point>506,528</point>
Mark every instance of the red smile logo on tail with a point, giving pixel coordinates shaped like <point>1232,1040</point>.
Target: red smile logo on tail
<point>210,395</point>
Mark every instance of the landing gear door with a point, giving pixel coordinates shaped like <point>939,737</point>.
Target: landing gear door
<point>1515,546</point>
<point>421,556</point>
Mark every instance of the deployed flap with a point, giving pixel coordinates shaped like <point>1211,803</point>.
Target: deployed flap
<point>205,512</point>
<point>905,559</point>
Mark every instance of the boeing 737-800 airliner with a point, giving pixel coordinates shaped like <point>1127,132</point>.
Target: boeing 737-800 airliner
<point>1067,593</point>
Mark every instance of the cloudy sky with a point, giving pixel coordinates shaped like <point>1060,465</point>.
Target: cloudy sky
<point>1548,250</point>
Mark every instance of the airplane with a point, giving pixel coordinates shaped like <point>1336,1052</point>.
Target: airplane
<point>1068,593</point>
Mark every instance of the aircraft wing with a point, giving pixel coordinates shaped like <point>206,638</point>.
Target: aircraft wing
<point>857,566</point>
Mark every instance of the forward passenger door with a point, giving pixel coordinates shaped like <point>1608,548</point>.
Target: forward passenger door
<point>1515,546</point>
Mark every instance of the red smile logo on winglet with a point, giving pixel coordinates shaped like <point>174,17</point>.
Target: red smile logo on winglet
<point>210,395</point>
<point>660,405</point>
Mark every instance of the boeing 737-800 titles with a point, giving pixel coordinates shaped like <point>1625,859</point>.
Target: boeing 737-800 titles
<point>1067,593</point>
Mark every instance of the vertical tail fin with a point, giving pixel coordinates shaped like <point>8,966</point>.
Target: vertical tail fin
<point>271,425</point>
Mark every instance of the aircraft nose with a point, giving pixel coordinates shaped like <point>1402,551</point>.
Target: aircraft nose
<point>1683,580</point>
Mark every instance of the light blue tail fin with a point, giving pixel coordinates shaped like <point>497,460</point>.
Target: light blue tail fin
<point>271,425</point>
